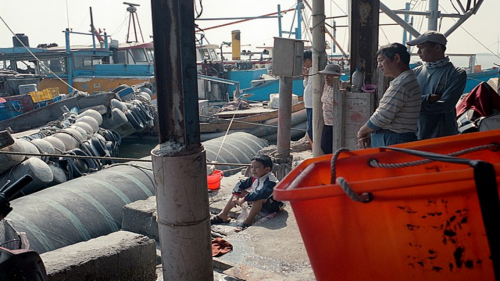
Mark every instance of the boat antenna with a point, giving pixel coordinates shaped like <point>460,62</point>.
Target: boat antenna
<point>132,19</point>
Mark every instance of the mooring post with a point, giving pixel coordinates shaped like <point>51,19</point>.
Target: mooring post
<point>179,160</point>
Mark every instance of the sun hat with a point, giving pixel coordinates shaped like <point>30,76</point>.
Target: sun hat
<point>332,69</point>
<point>429,36</point>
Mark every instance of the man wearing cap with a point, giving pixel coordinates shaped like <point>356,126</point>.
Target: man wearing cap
<point>442,85</point>
<point>331,71</point>
<point>396,118</point>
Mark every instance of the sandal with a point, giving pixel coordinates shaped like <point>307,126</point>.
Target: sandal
<point>218,220</point>
<point>242,227</point>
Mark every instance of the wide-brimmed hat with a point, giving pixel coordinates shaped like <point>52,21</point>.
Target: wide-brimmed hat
<point>429,36</point>
<point>332,69</point>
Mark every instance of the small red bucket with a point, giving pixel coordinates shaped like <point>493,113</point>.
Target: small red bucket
<point>213,180</point>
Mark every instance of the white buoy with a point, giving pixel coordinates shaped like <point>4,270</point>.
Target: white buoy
<point>92,113</point>
<point>57,143</point>
<point>73,132</point>
<point>118,104</point>
<point>9,160</point>
<point>83,133</point>
<point>59,174</point>
<point>89,120</point>
<point>145,95</point>
<point>86,127</point>
<point>69,141</point>
<point>36,168</point>
<point>117,119</point>
<point>28,147</point>
<point>44,146</point>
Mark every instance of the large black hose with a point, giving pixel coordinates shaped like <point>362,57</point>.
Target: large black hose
<point>92,205</point>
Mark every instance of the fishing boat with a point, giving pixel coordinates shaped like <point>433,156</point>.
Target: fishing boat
<point>259,119</point>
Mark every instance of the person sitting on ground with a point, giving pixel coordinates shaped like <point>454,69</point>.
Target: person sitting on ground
<point>257,190</point>
<point>396,118</point>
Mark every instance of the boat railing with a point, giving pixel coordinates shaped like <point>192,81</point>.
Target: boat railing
<point>222,81</point>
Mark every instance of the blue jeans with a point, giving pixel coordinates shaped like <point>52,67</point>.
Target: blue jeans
<point>387,137</point>
<point>309,114</point>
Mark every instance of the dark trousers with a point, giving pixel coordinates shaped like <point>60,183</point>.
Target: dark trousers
<point>327,139</point>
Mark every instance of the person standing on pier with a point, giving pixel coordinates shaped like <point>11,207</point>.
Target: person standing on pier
<point>331,71</point>
<point>442,85</point>
<point>308,88</point>
<point>396,118</point>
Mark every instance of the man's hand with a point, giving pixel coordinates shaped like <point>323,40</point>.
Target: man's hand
<point>364,137</point>
<point>434,98</point>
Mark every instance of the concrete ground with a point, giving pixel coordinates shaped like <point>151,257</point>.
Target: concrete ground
<point>271,250</point>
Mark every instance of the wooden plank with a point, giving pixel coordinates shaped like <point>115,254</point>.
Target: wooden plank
<point>222,124</point>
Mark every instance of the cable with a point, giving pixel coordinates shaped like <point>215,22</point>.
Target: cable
<point>484,46</point>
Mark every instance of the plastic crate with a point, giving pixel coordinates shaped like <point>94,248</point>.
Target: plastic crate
<point>43,95</point>
<point>425,221</point>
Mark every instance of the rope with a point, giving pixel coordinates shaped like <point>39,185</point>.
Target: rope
<point>104,158</point>
<point>363,197</point>
<point>252,123</point>
<point>227,130</point>
<point>376,164</point>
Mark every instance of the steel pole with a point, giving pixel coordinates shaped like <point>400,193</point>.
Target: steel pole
<point>284,116</point>
<point>179,160</point>
<point>433,15</point>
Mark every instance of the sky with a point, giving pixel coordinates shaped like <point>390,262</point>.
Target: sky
<point>43,21</point>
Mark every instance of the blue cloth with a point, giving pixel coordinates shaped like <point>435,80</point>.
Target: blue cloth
<point>387,137</point>
<point>309,114</point>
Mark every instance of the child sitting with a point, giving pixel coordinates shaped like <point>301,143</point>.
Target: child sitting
<point>257,190</point>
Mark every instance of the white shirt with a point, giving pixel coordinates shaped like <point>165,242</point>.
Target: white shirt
<point>308,89</point>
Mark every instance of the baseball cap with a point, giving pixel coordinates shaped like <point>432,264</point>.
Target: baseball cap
<point>429,36</point>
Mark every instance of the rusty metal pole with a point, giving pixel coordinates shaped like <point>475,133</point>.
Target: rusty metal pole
<point>318,63</point>
<point>364,28</point>
<point>284,116</point>
<point>179,160</point>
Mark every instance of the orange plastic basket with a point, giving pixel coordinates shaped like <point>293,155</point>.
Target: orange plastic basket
<point>424,222</point>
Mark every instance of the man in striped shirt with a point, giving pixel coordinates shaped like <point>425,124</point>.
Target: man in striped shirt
<point>396,118</point>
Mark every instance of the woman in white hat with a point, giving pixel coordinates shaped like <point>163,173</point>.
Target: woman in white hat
<point>331,71</point>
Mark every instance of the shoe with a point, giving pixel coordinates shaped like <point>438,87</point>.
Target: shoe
<point>242,227</point>
<point>218,220</point>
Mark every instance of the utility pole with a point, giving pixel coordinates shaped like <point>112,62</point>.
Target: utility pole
<point>318,63</point>
<point>364,28</point>
<point>179,160</point>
